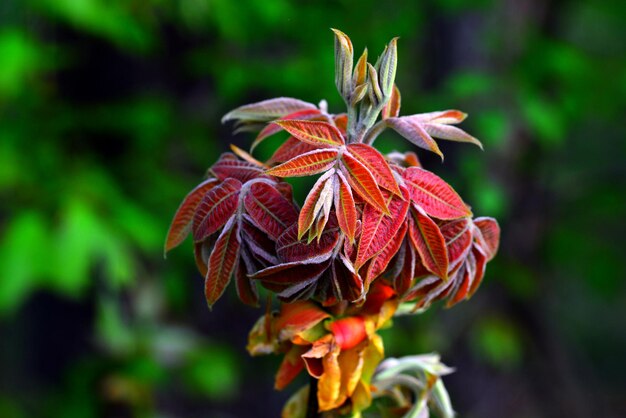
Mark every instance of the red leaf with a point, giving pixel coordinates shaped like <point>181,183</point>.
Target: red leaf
<point>269,210</point>
<point>237,169</point>
<point>345,282</point>
<point>318,133</point>
<point>321,190</point>
<point>217,206</point>
<point>181,223</point>
<point>435,196</point>
<point>289,149</point>
<point>267,110</point>
<point>429,243</point>
<point>378,229</point>
<point>404,279</point>
<point>312,162</point>
<point>392,108</point>
<point>364,184</point>
<point>290,249</point>
<point>290,367</point>
<point>273,128</point>
<point>222,262</point>
<point>458,236</point>
<point>481,263</point>
<point>489,237</point>
<point>414,131</point>
<point>246,156</point>
<point>379,263</point>
<point>345,207</point>
<point>246,289</point>
<point>341,122</point>
<point>376,164</point>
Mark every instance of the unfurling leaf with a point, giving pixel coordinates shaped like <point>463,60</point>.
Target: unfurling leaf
<point>387,69</point>
<point>392,108</point>
<point>344,56</point>
<point>181,223</point>
<point>434,195</point>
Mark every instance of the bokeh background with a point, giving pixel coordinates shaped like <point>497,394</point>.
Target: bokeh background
<point>109,115</point>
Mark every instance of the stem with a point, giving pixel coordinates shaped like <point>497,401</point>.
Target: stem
<point>312,406</point>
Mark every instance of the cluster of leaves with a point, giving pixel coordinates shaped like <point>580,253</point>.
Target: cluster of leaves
<point>369,218</point>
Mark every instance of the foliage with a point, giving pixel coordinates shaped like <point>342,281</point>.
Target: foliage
<point>342,249</point>
<point>107,113</point>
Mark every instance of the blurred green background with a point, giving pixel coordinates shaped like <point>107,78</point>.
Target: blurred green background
<point>109,115</point>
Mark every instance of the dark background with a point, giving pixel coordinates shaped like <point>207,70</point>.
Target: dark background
<point>109,115</point>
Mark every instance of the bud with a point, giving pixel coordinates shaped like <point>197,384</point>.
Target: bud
<point>387,69</point>
<point>360,71</point>
<point>343,64</point>
<point>376,95</point>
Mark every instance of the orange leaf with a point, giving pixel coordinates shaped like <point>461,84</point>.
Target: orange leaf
<point>376,164</point>
<point>273,128</point>
<point>364,184</point>
<point>317,133</point>
<point>289,149</point>
<point>312,162</point>
<point>345,207</point>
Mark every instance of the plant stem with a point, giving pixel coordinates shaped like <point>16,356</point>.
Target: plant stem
<point>312,406</point>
